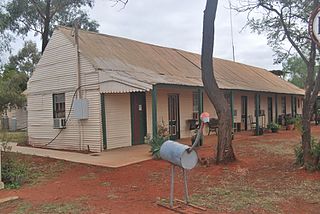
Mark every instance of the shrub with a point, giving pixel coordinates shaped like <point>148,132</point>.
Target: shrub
<point>274,127</point>
<point>315,152</point>
<point>156,141</point>
<point>290,121</point>
<point>14,171</point>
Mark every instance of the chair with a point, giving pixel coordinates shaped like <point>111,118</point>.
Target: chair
<point>213,125</point>
<point>253,124</point>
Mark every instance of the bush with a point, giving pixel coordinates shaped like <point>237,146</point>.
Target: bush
<point>156,141</point>
<point>274,127</point>
<point>315,152</point>
<point>14,171</point>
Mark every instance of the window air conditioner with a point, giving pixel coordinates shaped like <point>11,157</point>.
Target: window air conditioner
<point>59,123</point>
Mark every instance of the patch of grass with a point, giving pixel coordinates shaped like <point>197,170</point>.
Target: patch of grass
<point>19,169</point>
<point>17,137</point>
<point>62,208</point>
<point>41,173</point>
<point>112,196</point>
<point>284,148</point>
<point>15,207</point>
<point>234,198</point>
<point>89,176</point>
<point>236,193</point>
<point>22,208</point>
<point>106,184</point>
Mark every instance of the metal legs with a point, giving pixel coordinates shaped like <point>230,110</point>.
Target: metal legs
<point>172,186</point>
<point>186,194</point>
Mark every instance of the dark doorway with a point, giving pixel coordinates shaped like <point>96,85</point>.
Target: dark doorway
<point>138,117</point>
<point>270,112</point>
<point>174,115</point>
<point>244,112</point>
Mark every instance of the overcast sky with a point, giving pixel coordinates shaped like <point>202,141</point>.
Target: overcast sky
<point>178,24</point>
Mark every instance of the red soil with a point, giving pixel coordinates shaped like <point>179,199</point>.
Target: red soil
<point>137,188</point>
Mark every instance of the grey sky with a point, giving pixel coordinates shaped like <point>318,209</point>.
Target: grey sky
<point>178,24</point>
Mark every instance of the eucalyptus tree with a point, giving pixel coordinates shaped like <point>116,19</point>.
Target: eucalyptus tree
<point>285,23</point>
<point>40,16</point>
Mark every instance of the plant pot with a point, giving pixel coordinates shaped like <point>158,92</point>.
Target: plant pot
<point>290,127</point>
<point>274,130</point>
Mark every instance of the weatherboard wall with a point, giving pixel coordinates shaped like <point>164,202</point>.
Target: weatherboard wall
<point>56,73</point>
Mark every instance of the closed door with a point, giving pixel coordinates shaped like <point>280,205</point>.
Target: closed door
<point>270,112</point>
<point>244,111</point>
<point>138,117</point>
<point>173,112</point>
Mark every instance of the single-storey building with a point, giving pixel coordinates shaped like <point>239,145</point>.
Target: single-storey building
<point>95,91</point>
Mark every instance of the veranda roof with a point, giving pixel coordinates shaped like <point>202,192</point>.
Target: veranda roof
<point>130,66</point>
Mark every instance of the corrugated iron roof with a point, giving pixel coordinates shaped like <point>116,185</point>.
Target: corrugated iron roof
<point>136,66</point>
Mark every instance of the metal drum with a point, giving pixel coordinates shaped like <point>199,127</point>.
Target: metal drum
<point>177,154</point>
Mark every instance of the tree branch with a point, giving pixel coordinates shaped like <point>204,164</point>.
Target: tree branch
<point>286,30</point>
<point>38,9</point>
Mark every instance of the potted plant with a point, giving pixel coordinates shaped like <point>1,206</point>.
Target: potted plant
<point>290,123</point>
<point>274,127</point>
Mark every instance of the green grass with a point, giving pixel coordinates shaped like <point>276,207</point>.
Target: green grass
<point>21,207</point>
<point>17,137</point>
<point>36,172</point>
<point>62,208</point>
<point>236,193</point>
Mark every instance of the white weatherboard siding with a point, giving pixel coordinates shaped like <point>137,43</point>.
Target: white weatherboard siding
<point>56,73</point>
<point>118,120</point>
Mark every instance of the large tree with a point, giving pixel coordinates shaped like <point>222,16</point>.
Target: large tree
<point>40,16</point>
<point>285,22</point>
<point>15,74</point>
<point>25,60</point>
<point>225,151</point>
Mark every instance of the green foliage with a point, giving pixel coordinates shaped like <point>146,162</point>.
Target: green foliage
<point>14,171</point>
<point>17,137</point>
<point>274,127</point>
<point>41,16</point>
<point>290,120</point>
<point>12,84</point>
<point>25,60</point>
<point>296,70</point>
<point>315,152</point>
<point>156,141</point>
<point>282,21</point>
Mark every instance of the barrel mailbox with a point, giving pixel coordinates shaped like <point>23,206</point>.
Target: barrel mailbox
<point>177,154</point>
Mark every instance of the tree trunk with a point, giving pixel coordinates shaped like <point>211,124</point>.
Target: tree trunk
<point>311,93</point>
<point>46,28</point>
<point>224,148</point>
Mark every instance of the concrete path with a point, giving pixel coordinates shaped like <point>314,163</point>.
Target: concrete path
<point>112,158</point>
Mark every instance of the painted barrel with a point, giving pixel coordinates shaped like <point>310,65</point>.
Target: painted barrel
<point>176,153</point>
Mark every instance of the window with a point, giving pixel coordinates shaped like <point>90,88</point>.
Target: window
<point>195,108</point>
<point>59,109</point>
<point>298,102</point>
<point>283,105</point>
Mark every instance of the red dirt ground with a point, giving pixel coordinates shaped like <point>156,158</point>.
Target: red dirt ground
<point>137,188</point>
